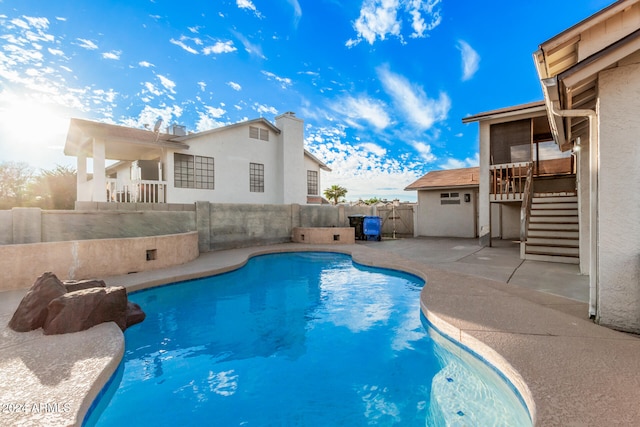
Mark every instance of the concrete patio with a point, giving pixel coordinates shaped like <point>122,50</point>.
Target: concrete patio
<point>528,318</point>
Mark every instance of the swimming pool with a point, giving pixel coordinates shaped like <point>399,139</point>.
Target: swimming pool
<point>298,339</point>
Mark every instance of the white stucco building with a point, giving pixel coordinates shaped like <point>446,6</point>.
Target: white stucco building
<point>567,167</point>
<point>590,75</point>
<point>248,162</point>
<point>447,203</point>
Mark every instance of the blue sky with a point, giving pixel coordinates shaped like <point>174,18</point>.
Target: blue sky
<point>382,85</point>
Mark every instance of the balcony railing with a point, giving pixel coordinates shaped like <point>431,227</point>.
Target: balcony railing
<point>508,181</point>
<point>139,191</point>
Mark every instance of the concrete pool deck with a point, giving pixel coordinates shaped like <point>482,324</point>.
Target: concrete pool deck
<point>530,315</point>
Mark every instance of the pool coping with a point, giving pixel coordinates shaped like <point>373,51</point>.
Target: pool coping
<point>544,353</point>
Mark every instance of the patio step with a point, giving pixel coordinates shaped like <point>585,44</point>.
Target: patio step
<point>551,226</point>
<point>553,241</point>
<point>558,234</point>
<point>553,212</point>
<point>553,233</point>
<point>554,205</point>
<point>554,199</point>
<point>564,219</point>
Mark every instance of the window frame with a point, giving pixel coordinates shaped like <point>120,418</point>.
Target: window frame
<point>312,183</point>
<point>192,171</point>
<point>256,177</point>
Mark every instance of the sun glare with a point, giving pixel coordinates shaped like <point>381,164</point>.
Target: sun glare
<point>30,130</point>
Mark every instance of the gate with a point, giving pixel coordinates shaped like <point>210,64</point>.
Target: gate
<point>397,221</point>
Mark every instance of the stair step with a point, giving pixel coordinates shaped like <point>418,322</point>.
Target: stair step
<point>552,250</point>
<point>554,212</point>
<point>551,241</point>
<point>554,199</point>
<point>550,234</point>
<point>550,258</point>
<point>554,205</point>
<point>552,226</point>
<point>554,219</point>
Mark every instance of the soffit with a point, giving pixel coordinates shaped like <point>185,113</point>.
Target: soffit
<point>121,143</point>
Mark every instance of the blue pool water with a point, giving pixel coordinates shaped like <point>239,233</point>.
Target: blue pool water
<point>298,339</point>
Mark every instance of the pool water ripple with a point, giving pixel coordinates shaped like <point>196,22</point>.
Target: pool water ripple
<point>298,339</point>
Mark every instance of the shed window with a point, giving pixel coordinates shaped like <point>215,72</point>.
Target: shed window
<point>449,198</point>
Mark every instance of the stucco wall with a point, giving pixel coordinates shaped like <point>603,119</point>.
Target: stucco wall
<point>220,226</point>
<point>85,259</point>
<point>511,221</point>
<point>6,228</point>
<point>618,201</point>
<point>81,225</point>
<point>448,220</point>
<point>246,225</point>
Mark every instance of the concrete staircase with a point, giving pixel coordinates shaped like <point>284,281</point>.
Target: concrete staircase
<point>553,228</point>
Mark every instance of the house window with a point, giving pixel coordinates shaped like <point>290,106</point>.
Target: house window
<point>256,178</point>
<point>193,171</point>
<point>258,133</point>
<point>312,183</point>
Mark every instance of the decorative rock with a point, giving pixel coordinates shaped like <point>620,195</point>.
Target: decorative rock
<point>32,311</point>
<point>80,310</point>
<point>134,314</point>
<point>78,285</point>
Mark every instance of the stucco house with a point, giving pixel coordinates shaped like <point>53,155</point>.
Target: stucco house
<point>567,167</point>
<point>253,161</point>
<point>447,203</point>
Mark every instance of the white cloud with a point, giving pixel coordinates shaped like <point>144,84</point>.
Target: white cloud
<point>470,60</point>
<point>114,54</point>
<point>149,115</point>
<point>55,52</point>
<point>249,47</point>
<point>451,163</point>
<point>202,85</point>
<point>285,82</point>
<point>265,109</point>
<point>248,5</point>
<point>168,84</point>
<point>425,16</point>
<point>235,86</point>
<point>20,23</point>
<point>220,47</point>
<point>362,169</point>
<point>208,120</point>
<point>152,88</point>
<point>87,44</point>
<point>297,11</point>
<point>380,19</point>
<point>355,109</point>
<point>181,44</point>
<point>422,111</point>
<point>373,149</point>
<point>424,150</point>
<point>39,23</point>
<point>145,64</point>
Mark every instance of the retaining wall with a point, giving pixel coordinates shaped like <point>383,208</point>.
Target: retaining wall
<point>21,264</point>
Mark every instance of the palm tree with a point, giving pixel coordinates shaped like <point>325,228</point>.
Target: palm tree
<point>335,193</point>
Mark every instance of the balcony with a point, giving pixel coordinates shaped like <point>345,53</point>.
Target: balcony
<point>507,182</point>
<point>137,191</point>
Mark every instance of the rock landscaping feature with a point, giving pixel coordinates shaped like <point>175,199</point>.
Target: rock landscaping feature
<point>72,306</point>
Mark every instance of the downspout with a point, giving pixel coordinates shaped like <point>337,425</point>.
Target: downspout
<point>593,196</point>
